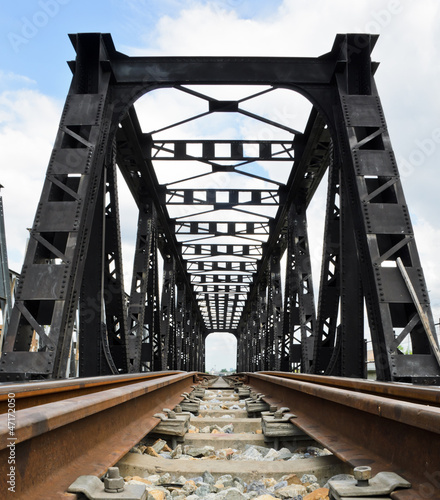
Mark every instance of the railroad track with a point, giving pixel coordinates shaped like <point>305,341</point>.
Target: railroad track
<point>64,429</point>
<point>366,423</point>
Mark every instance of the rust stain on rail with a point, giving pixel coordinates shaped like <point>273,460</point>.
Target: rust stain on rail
<point>364,429</point>
<point>29,394</point>
<point>59,441</point>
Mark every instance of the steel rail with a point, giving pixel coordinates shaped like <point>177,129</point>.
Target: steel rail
<point>29,394</point>
<point>364,429</point>
<point>54,443</point>
<point>428,395</point>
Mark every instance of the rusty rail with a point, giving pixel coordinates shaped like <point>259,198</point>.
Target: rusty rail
<point>29,394</point>
<point>428,395</point>
<point>55,442</point>
<point>362,428</point>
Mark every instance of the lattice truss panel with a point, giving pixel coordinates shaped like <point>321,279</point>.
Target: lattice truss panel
<point>222,157</point>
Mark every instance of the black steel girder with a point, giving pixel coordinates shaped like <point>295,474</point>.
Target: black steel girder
<point>221,241</point>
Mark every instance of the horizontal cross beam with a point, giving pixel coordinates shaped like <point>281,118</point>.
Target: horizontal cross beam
<point>214,250</point>
<point>235,266</point>
<point>204,150</point>
<point>222,228</point>
<point>222,197</point>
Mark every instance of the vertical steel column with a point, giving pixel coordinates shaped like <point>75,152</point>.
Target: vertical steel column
<point>200,346</point>
<point>384,234</point>
<point>300,265</point>
<point>287,336</point>
<point>250,352</point>
<point>241,341</point>
<point>352,344</point>
<point>187,333</point>
<point>194,352</point>
<point>202,352</point>
<point>261,325</point>
<point>48,293</point>
<point>275,311</point>
<point>102,301</point>
<point>291,321</point>
<point>167,316</point>
<point>180,325</point>
<point>327,345</point>
<point>191,341</point>
<point>115,299</point>
<point>140,311</point>
<point>91,331</point>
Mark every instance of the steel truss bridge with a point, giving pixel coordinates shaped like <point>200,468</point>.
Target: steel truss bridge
<point>222,253</point>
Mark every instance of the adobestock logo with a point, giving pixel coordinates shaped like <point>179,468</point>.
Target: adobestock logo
<point>30,26</point>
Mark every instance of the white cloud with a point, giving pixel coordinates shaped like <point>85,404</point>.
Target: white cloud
<point>8,79</point>
<point>28,124</point>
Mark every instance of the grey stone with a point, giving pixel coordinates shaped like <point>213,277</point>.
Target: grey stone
<point>291,491</point>
<point>230,494</point>
<point>240,481</point>
<point>177,452</point>
<point>206,429</point>
<point>284,454</point>
<point>203,490</point>
<point>198,479</point>
<point>208,477</point>
<point>271,455</point>
<point>240,487</point>
<point>309,478</point>
<point>228,429</point>
<point>252,454</point>
<point>226,480</point>
<point>262,449</point>
<point>251,494</point>
<point>165,478</point>
<point>154,478</point>
<point>279,485</point>
<point>205,451</point>
<point>258,487</point>
<point>159,445</point>
<point>313,487</point>
<point>189,488</point>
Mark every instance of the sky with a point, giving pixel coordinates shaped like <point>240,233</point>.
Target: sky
<point>34,81</point>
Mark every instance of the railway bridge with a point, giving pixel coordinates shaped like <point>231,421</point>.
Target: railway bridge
<point>222,245</point>
<point>221,233</point>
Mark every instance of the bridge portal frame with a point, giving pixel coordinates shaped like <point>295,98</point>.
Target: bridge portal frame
<point>370,255</point>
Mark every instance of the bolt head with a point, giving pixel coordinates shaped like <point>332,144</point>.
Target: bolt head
<point>113,482</point>
<point>362,473</point>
